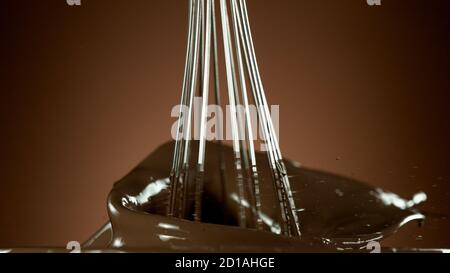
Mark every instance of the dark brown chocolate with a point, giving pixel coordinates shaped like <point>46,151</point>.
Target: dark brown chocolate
<point>336,213</point>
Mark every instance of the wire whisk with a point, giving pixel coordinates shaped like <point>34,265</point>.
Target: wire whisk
<point>242,71</point>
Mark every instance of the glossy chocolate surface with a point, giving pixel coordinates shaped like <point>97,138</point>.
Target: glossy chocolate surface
<point>337,213</point>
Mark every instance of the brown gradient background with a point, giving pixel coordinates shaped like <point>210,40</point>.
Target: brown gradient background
<point>86,94</point>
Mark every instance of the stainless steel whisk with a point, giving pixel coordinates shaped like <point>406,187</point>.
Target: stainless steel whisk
<point>240,60</point>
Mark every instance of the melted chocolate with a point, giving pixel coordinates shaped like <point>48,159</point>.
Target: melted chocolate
<point>336,213</point>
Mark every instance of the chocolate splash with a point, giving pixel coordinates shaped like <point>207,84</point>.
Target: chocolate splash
<point>336,213</point>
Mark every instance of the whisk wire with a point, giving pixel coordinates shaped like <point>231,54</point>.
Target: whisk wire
<point>240,64</point>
